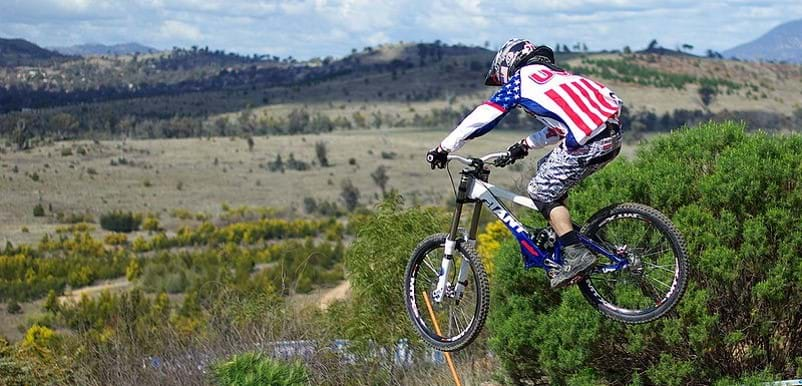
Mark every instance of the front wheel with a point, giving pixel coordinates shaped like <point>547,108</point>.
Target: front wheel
<point>455,321</point>
<point>656,274</point>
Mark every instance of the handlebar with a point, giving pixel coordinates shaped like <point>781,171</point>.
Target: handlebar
<point>470,161</point>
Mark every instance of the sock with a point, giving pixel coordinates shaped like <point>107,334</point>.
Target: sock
<point>569,238</point>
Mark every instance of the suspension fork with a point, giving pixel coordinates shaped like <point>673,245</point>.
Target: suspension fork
<point>465,268</point>
<point>451,244</point>
<point>448,257</point>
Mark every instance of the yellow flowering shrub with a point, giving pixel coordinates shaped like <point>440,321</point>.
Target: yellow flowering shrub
<point>488,243</point>
<point>116,239</point>
<point>151,224</point>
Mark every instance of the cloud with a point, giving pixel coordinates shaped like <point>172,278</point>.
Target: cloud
<point>308,28</point>
<point>179,30</point>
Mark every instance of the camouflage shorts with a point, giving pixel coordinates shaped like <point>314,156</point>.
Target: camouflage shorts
<point>561,168</point>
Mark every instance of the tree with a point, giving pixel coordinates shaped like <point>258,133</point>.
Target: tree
<point>13,307</point>
<point>349,195</point>
<point>322,154</point>
<point>246,120</point>
<point>221,124</point>
<point>627,50</point>
<point>64,123</point>
<point>707,94</point>
<point>381,178</point>
<point>713,54</point>
<point>298,120</point>
<point>652,45</point>
<point>38,210</point>
<point>119,221</point>
<point>277,165</point>
<point>687,47</point>
<point>51,303</point>
<point>310,205</point>
<point>22,135</point>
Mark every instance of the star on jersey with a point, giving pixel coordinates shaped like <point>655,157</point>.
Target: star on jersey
<point>508,95</point>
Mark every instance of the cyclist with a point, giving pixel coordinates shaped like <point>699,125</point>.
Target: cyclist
<point>579,113</point>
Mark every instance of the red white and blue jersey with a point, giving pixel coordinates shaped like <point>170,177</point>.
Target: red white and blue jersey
<point>570,106</point>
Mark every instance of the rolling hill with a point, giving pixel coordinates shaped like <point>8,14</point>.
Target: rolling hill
<point>781,44</point>
<point>20,52</point>
<point>195,92</point>
<point>102,49</point>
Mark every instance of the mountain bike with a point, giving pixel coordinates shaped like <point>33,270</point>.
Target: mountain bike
<point>640,275</point>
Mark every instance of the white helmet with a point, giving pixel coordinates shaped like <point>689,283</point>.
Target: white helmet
<point>512,55</point>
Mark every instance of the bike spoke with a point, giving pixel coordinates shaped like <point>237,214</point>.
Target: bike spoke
<point>660,267</point>
<point>428,264</point>
<point>658,281</point>
<point>456,322</point>
<point>660,252</point>
<point>650,292</point>
<point>465,319</point>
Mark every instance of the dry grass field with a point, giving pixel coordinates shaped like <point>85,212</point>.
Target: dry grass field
<point>200,175</point>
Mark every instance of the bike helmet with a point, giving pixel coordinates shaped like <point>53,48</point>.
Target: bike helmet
<point>512,56</point>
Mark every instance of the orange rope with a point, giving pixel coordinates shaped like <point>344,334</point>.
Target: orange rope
<point>437,330</point>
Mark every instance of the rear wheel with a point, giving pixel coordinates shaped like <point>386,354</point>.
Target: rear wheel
<point>656,275</point>
<point>457,319</point>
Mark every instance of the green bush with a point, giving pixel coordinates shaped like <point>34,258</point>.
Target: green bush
<point>119,221</point>
<point>737,198</point>
<point>38,210</point>
<point>257,369</point>
<point>375,264</point>
<point>13,307</point>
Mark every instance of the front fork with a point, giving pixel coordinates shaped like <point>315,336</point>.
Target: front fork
<point>447,264</point>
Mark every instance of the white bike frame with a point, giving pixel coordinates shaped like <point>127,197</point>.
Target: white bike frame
<point>472,189</point>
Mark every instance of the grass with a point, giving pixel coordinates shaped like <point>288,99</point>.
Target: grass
<point>256,369</point>
<point>206,186</point>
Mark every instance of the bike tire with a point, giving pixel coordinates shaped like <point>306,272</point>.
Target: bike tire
<point>482,289</point>
<point>678,248</point>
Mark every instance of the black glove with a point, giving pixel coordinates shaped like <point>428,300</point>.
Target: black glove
<point>517,151</point>
<point>437,157</point>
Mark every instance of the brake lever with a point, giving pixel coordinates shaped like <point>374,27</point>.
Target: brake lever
<point>502,161</point>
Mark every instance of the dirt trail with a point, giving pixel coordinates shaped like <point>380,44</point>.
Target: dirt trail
<point>321,297</point>
<point>341,291</point>
<point>111,285</point>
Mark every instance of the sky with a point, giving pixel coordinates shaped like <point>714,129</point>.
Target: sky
<point>317,28</point>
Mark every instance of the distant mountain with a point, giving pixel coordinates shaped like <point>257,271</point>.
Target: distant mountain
<point>102,49</point>
<point>19,52</point>
<point>782,43</point>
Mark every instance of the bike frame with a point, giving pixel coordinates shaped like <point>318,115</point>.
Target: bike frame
<point>474,188</point>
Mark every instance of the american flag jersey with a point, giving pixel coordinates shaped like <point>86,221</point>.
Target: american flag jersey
<point>568,105</point>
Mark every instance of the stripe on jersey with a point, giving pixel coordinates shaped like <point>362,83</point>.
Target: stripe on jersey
<point>578,87</point>
<point>496,106</point>
<point>581,104</point>
<point>599,97</point>
<point>568,111</point>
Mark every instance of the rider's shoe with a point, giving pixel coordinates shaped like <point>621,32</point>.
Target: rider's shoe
<point>578,259</point>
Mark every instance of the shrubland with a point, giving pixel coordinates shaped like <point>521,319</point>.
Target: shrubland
<point>734,195</point>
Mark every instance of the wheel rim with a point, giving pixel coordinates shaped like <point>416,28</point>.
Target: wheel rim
<point>455,317</point>
<point>650,278</point>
